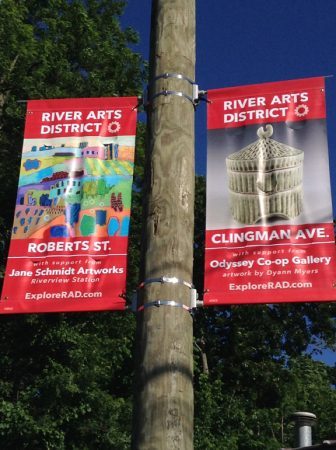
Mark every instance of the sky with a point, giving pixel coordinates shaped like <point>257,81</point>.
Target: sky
<point>254,41</point>
<point>245,42</point>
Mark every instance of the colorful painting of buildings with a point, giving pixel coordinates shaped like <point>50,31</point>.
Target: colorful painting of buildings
<point>74,191</point>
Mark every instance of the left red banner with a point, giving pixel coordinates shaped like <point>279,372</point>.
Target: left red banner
<point>69,241</point>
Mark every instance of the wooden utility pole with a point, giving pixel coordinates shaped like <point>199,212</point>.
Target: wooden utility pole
<point>163,417</point>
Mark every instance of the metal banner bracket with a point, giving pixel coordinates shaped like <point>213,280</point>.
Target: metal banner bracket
<point>158,303</point>
<point>193,98</point>
<point>165,279</point>
<point>194,302</point>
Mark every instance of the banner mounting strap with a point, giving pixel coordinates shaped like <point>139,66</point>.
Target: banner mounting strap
<point>177,93</point>
<point>193,97</point>
<point>166,279</point>
<point>194,302</point>
<point>179,76</point>
<point>158,303</point>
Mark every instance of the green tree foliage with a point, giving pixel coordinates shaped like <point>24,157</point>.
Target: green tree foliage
<point>65,379</point>
<point>257,379</point>
<point>66,382</point>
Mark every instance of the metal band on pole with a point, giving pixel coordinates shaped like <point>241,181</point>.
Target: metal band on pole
<point>158,303</point>
<point>179,76</point>
<point>177,93</point>
<point>193,98</point>
<point>166,279</point>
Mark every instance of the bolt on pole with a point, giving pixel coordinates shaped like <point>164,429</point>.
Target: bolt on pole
<point>163,413</point>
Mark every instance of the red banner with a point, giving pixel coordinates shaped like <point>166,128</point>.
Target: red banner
<point>270,233</point>
<point>69,242</point>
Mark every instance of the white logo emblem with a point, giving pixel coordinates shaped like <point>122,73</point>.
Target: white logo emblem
<point>114,127</point>
<point>301,110</point>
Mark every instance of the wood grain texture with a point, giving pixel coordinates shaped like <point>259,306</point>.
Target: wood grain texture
<point>164,405</point>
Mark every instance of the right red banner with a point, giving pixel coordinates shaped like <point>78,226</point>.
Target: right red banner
<point>269,227</point>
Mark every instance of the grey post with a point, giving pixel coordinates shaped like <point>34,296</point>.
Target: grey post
<point>304,422</point>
